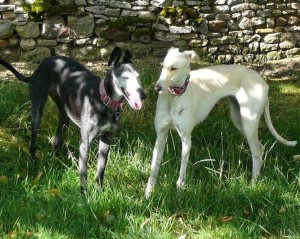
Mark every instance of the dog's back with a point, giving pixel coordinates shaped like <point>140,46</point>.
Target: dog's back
<point>60,68</point>
<point>226,74</point>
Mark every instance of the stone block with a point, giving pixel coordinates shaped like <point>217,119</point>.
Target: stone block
<point>6,29</point>
<point>293,52</point>
<point>216,25</point>
<point>115,34</point>
<point>275,55</point>
<point>245,23</point>
<point>52,27</point>
<point>95,9</point>
<point>219,41</point>
<point>268,47</point>
<point>120,4</point>
<point>129,13</point>
<point>166,37</point>
<point>7,7</point>
<point>113,12</point>
<point>62,50</point>
<point>180,30</point>
<point>29,30</point>
<point>36,55</point>
<point>285,45</point>
<point>100,42</point>
<point>82,27</point>
<point>273,37</point>
<point>27,44</point>
<point>254,47</point>
<point>220,9</point>
<point>88,52</point>
<point>46,42</point>
<point>258,21</point>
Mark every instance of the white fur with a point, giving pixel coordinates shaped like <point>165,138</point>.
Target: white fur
<point>248,94</point>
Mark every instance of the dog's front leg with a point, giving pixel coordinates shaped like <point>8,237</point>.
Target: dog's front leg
<point>83,163</point>
<point>185,153</point>
<point>104,147</point>
<point>156,160</point>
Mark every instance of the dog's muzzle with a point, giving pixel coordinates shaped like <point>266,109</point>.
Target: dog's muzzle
<point>142,94</point>
<point>157,87</point>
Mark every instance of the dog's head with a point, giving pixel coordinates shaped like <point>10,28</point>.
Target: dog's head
<point>175,68</point>
<point>126,78</point>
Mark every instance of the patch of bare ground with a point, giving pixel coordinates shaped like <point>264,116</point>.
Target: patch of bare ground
<point>285,69</point>
<point>27,68</point>
<point>272,70</point>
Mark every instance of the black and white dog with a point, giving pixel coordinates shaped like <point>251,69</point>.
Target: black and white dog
<point>93,104</point>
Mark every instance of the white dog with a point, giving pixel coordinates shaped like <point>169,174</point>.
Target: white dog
<point>186,97</point>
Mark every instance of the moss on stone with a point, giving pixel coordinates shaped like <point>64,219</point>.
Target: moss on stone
<point>41,9</point>
<point>142,32</point>
<point>168,12</point>
<point>198,21</point>
<point>123,22</point>
<point>179,11</point>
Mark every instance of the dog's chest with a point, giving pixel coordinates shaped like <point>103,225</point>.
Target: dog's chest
<point>110,122</point>
<point>173,111</point>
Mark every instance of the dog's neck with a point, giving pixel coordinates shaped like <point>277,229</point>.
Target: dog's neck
<point>179,90</point>
<point>106,90</point>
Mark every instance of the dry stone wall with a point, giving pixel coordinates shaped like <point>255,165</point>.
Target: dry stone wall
<point>231,31</point>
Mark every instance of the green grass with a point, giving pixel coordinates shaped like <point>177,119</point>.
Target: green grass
<point>45,202</point>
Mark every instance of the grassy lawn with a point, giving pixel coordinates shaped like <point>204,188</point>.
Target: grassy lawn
<point>218,202</point>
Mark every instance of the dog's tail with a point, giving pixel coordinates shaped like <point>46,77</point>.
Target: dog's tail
<point>272,129</point>
<point>14,71</point>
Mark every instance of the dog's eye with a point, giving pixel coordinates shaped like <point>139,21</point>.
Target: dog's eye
<point>173,68</point>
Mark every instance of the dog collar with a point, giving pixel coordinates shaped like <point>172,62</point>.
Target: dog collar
<point>177,90</point>
<point>106,99</point>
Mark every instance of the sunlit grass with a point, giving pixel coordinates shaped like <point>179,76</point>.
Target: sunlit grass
<point>219,200</point>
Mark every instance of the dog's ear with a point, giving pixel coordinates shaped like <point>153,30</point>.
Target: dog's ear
<point>192,56</point>
<point>127,57</point>
<point>115,56</point>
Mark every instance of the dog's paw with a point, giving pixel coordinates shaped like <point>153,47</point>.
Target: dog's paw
<point>148,191</point>
<point>147,195</point>
<point>180,184</point>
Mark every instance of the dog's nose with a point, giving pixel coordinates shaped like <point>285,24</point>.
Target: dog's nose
<point>157,87</point>
<point>142,94</point>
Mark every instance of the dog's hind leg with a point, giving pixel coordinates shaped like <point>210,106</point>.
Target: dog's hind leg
<point>236,113</point>
<point>104,147</point>
<point>250,122</point>
<point>257,150</point>
<point>63,122</point>
<point>156,159</point>
<point>36,115</point>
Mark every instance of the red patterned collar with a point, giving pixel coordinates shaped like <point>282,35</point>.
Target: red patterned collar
<point>106,99</point>
<point>179,90</point>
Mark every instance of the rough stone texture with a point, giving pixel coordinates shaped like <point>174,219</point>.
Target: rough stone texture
<point>231,31</point>
<point>52,27</point>
<point>85,52</point>
<point>82,27</point>
<point>27,44</point>
<point>36,55</point>
<point>31,29</point>
<point>115,34</point>
<point>278,69</point>
<point>6,29</point>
